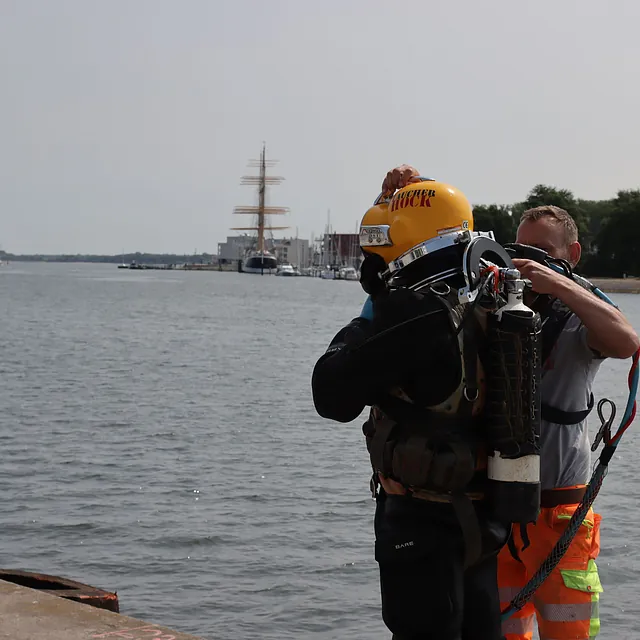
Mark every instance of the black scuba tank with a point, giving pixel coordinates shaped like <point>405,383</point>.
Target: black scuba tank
<point>512,410</point>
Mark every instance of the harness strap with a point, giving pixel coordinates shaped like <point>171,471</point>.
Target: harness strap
<point>556,317</point>
<point>471,534</point>
<point>463,507</point>
<point>470,357</point>
<point>511,543</point>
<point>377,444</point>
<point>524,534</point>
<point>554,323</point>
<point>513,550</point>
<point>557,416</point>
<point>465,465</point>
<point>550,498</point>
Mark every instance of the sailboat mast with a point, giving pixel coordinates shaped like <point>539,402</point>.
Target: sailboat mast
<point>261,200</point>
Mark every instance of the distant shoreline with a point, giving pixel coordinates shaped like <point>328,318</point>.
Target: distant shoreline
<point>127,258</point>
<point>617,285</point>
<point>608,285</point>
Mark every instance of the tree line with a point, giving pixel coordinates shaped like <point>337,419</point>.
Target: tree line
<point>606,227</point>
<point>127,258</point>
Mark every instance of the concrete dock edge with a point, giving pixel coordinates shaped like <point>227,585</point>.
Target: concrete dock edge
<point>28,614</point>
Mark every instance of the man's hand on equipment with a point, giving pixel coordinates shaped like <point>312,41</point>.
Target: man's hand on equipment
<point>609,333</point>
<point>543,280</point>
<point>399,177</point>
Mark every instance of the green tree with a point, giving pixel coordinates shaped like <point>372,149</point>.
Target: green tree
<point>497,218</point>
<point>616,251</point>
<point>596,211</point>
<point>543,194</point>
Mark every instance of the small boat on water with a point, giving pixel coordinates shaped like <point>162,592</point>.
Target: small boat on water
<point>287,270</point>
<point>143,267</point>
<point>63,588</point>
<point>328,274</point>
<point>348,273</point>
<point>133,265</point>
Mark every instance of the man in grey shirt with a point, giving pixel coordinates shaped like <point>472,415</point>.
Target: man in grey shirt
<point>587,330</point>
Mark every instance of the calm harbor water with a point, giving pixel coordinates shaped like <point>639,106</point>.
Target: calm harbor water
<point>159,439</point>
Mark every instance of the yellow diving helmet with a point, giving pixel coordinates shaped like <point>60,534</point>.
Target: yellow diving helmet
<point>413,220</point>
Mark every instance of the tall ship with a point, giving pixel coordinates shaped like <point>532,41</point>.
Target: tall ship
<point>258,259</point>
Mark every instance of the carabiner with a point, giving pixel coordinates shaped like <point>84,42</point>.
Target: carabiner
<point>604,433</point>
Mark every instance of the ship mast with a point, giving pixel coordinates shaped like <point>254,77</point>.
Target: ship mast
<point>261,211</point>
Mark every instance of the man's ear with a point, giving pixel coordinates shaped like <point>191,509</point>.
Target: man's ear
<point>575,251</point>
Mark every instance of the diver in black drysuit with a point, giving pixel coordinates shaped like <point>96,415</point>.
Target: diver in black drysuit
<point>428,592</point>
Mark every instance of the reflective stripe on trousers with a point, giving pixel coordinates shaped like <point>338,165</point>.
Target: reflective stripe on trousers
<point>566,605</point>
<point>568,612</point>
<point>579,620</point>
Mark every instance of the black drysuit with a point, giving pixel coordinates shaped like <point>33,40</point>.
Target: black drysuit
<point>427,594</point>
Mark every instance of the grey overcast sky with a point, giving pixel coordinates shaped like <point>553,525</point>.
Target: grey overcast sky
<point>127,124</point>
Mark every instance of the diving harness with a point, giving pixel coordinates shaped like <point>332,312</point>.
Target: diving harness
<point>511,357</point>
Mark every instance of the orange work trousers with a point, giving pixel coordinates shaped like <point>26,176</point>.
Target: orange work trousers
<point>566,604</point>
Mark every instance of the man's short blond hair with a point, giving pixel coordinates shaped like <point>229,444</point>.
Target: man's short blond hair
<point>558,214</point>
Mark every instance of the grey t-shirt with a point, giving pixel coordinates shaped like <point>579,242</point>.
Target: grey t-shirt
<point>567,379</point>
